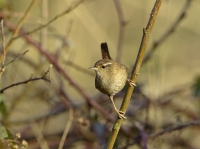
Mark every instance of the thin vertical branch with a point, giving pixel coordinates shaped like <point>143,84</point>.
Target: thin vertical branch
<point>69,123</point>
<point>2,68</point>
<point>3,44</point>
<point>39,135</point>
<point>135,72</point>
<point>122,24</point>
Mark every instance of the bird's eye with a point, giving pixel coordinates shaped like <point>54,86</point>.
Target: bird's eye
<point>103,66</point>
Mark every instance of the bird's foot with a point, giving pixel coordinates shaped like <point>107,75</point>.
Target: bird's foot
<point>121,114</point>
<point>130,82</point>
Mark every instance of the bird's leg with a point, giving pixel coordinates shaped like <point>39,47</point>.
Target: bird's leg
<point>120,113</point>
<point>130,82</point>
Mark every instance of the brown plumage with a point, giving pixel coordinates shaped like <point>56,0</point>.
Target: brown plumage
<point>111,77</point>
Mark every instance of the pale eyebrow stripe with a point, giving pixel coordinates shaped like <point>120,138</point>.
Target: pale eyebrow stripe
<point>109,63</point>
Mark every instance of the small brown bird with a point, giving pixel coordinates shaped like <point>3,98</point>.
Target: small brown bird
<point>111,76</point>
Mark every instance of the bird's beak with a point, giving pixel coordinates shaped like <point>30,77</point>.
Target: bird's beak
<point>94,68</point>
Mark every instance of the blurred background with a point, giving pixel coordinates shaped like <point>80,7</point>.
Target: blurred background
<point>68,34</point>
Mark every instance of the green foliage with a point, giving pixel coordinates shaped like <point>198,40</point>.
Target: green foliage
<point>10,136</point>
<point>3,132</point>
<point>8,141</point>
<point>197,87</point>
<point>3,108</point>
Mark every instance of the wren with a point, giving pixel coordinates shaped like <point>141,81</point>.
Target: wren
<point>111,76</point>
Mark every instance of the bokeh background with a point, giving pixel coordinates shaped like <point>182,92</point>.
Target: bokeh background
<point>168,87</point>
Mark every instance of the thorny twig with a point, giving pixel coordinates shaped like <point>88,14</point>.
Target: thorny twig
<point>3,67</point>
<point>18,57</point>
<point>45,77</point>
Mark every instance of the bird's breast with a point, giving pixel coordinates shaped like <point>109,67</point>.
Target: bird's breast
<point>111,84</point>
